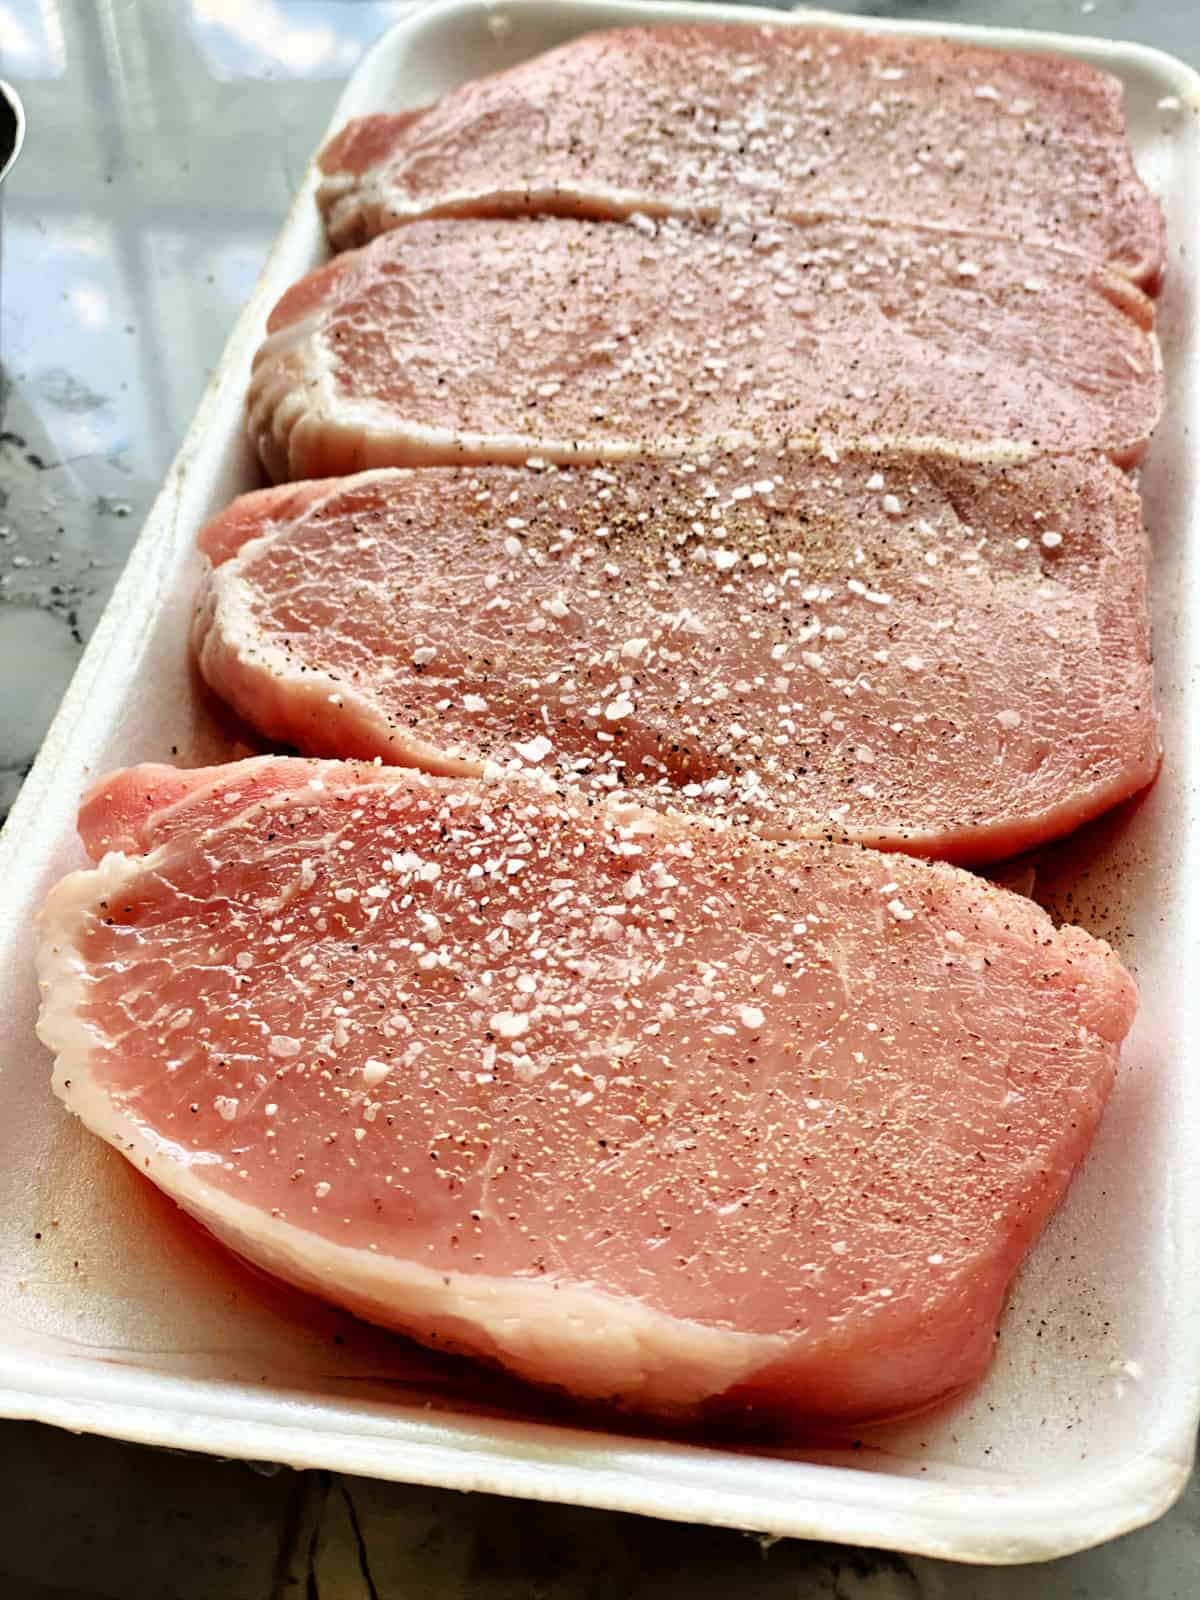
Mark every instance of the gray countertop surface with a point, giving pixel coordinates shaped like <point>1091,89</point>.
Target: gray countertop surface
<point>166,138</point>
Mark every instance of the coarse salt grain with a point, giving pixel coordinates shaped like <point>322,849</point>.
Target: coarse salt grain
<point>510,1024</point>
<point>534,750</point>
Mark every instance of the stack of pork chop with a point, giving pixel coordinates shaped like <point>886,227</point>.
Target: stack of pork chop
<point>712,481</point>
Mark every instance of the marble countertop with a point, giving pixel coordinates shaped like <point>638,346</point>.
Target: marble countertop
<point>131,232</point>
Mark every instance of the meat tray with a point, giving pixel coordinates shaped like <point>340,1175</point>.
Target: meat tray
<point>116,1317</point>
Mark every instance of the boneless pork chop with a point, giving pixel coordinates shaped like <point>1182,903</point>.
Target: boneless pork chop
<point>631,1106</point>
<point>912,652</point>
<point>483,340</point>
<point>784,121</point>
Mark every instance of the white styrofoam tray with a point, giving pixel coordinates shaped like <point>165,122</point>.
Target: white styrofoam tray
<point>119,1318</point>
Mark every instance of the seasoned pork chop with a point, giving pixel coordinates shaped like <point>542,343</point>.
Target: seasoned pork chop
<point>912,652</point>
<point>488,340</point>
<point>766,121</point>
<point>664,1116</point>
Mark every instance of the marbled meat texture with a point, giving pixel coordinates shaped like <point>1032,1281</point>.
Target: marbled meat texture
<point>784,121</point>
<point>484,340</point>
<point>912,652</point>
<point>687,1122</point>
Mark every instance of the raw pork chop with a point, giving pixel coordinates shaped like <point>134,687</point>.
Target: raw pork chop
<point>912,652</point>
<point>688,1122</point>
<point>497,340</point>
<point>780,121</point>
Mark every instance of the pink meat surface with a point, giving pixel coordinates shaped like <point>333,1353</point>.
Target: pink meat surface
<point>777,121</point>
<point>662,1116</point>
<point>912,652</point>
<point>481,340</point>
